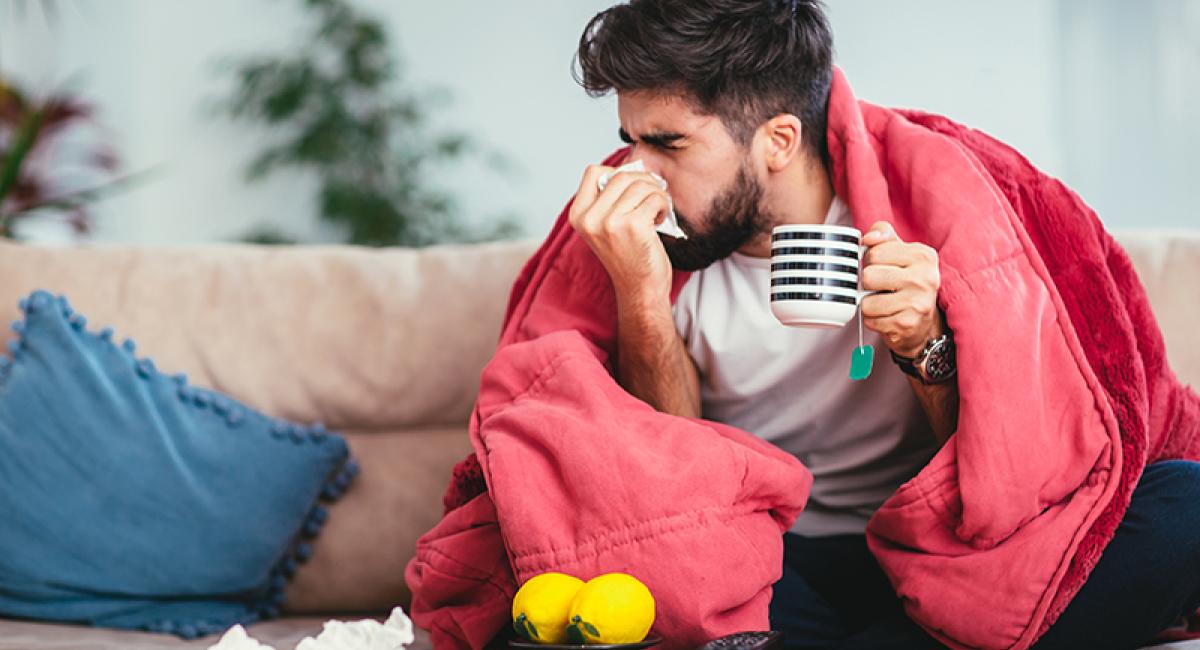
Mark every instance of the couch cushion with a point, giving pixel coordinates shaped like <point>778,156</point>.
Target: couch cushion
<point>282,634</point>
<point>357,338</point>
<point>359,559</point>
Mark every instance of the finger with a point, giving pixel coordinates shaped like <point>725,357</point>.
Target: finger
<point>617,186</point>
<point>884,277</point>
<point>652,210</point>
<point>915,303</point>
<point>899,325</point>
<point>898,253</point>
<point>889,253</point>
<point>634,196</point>
<point>619,181</point>
<point>630,198</point>
<point>585,196</point>
<point>659,204</point>
<point>880,232</point>
<point>880,325</point>
<point>883,305</point>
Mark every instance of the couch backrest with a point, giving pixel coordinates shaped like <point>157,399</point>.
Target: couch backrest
<point>380,339</point>
<point>356,338</point>
<point>1168,264</point>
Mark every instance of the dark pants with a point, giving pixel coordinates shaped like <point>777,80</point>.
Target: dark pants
<point>834,595</point>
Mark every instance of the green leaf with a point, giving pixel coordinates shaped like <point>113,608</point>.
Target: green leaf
<point>451,146</point>
<point>289,93</point>
<point>591,629</point>
<point>78,199</point>
<point>519,626</point>
<point>533,631</point>
<point>574,635</point>
<point>265,235</point>
<point>23,144</point>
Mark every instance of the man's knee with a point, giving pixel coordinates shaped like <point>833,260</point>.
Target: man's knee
<point>1166,505</point>
<point>1173,479</point>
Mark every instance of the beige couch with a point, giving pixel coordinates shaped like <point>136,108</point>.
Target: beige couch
<point>385,346</point>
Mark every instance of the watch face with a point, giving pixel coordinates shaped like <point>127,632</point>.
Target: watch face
<point>939,362</point>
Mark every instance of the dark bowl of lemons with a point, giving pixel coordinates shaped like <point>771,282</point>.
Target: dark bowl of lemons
<point>556,611</point>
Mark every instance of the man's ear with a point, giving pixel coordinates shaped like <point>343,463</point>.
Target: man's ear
<point>781,140</point>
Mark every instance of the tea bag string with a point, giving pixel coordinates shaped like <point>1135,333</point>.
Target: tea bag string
<point>860,324</point>
<point>861,294</point>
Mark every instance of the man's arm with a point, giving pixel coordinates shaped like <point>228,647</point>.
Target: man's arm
<point>618,223</point>
<point>652,363</point>
<point>940,402</point>
<point>906,313</point>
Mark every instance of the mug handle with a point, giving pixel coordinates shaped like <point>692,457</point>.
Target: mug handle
<point>862,251</point>
<point>863,294</point>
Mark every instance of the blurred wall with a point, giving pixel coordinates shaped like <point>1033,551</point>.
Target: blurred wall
<point>1101,93</point>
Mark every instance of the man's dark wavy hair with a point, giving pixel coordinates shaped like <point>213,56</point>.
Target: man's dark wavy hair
<point>744,61</point>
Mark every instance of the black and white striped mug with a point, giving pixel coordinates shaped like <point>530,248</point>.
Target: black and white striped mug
<point>815,274</point>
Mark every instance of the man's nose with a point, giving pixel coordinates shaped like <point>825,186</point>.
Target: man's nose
<point>641,152</point>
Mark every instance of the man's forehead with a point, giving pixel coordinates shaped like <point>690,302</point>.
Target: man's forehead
<point>648,112</point>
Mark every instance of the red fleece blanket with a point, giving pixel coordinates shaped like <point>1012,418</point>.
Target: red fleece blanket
<point>1065,396</point>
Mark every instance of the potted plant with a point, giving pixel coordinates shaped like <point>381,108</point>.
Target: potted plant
<point>36,175</point>
<point>338,109</point>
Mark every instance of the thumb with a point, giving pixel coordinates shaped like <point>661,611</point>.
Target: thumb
<point>880,232</point>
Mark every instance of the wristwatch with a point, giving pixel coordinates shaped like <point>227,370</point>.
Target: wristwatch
<point>934,364</point>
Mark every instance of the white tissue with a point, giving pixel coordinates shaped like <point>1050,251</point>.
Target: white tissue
<point>236,639</point>
<point>394,634</point>
<point>669,225</point>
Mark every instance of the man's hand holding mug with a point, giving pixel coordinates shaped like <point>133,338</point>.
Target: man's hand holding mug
<point>905,311</point>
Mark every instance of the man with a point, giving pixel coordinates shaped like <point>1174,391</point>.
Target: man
<point>726,100</point>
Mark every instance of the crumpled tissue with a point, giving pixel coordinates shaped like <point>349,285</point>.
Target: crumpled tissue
<point>669,225</point>
<point>236,638</point>
<point>394,634</point>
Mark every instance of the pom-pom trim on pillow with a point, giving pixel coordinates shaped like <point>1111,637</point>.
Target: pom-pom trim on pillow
<point>300,550</point>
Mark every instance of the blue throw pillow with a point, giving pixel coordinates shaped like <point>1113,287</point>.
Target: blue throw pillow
<point>131,499</point>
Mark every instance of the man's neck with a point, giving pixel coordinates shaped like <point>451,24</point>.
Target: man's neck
<point>802,195</point>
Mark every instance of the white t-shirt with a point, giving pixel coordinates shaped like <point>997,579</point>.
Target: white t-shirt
<point>791,386</point>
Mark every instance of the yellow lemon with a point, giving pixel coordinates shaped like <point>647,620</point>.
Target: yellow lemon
<point>612,608</point>
<point>541,605</point>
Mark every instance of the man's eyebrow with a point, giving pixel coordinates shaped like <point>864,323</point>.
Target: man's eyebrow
<point>656,139</point>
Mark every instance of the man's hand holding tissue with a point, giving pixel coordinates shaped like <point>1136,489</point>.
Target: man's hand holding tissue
<point>619,224</point>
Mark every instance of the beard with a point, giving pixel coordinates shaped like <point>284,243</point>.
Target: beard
<point>734,217</point>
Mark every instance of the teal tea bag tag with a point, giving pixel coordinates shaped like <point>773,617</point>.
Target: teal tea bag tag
<point>861,360</point>
<point>863,356</point>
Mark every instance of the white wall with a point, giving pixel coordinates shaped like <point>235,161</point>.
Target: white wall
<point>990,65</point>
<point>1098,92</point>
<point>1131,108</point>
